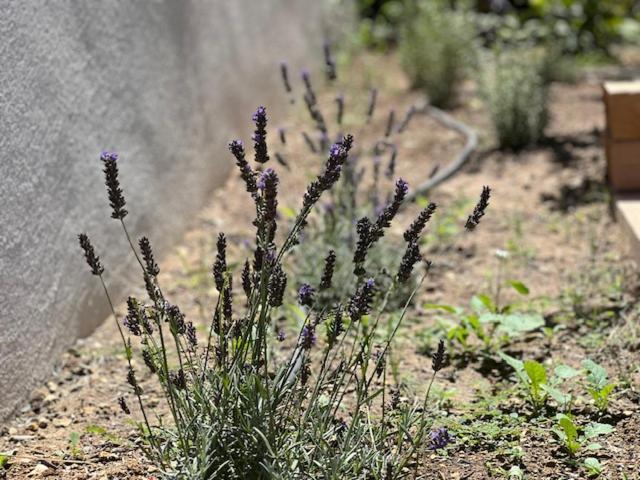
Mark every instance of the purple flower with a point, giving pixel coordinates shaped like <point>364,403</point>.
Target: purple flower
<point>284,73</point>
<point>260,135</point>
<point>246,172</point>
<point>413,232</point>
<point>360,302</point>
<point>308,336</point>
<point>479,210</point>
<point>337,156</point>
<point>277,285</point>
<point>330,64</point>
<point>327,274</point>
<point>220,264</point>
<point>90,255</point>
<point>280,336</point>
<point>409,259</point>
<point>268,184</point>
<point>306,294</point>
<point>151,266</point>
<point>440,438</point>
<point>116,198</point>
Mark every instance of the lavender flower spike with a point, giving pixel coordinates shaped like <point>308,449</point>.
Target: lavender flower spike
<point>479,210</point>
<point>308,336</point>
<point>151,266</point>
<point>360,302</point>
<point>246,172</point>
<point>116,198</point>
<point>306,294</point>
<point>268,185</point>
<point>220,264</point>
<point>284,73</point>
<point>340,112</point>
<point>327,274</point>
<point>372,103</point>
<point>260,135</point>
<point>330,64</point>
<point>410,258</point>
<point>440,438</point>
<point>90,255</point>
<point>415,229</point>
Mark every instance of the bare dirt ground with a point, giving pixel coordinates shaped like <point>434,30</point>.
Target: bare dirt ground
<point>549,212</point>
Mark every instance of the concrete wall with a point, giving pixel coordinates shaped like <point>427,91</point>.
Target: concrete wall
<point>164,83</point>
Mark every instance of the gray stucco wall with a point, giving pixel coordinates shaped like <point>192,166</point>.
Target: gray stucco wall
<point>164,83</point>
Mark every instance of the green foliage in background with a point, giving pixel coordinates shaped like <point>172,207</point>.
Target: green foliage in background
<point>514,87</point>
<point>436,48</point>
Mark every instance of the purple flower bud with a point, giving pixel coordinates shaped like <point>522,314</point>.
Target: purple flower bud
<point>277,285</point>
<point>306,294</point>
<point>260,135</point>
<point>220,264</point>
<point>327,274</point>
<point>415,229</point>
<point>90,255</point>
<point>308,336</point>
<point>116,198</point>
<point>360,302</point>
<point>151,266</point>
<point>409,259</point>
<point>246,172</point>
<point>479,210</point>
<point>284,73</point>
<point>440,438</point>
<point>330,64</point>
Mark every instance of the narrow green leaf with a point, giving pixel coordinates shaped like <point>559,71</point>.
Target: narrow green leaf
<point>519,287</point>
<point>436,306</point>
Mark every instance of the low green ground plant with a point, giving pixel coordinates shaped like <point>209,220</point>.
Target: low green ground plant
<point>490,325</point>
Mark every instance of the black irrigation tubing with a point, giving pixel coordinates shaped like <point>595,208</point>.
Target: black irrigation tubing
<point>459,161</point>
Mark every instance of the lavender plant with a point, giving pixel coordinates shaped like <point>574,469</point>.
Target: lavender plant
<point>243,404</point>
<point>367,185</point>
<point>437,46</point>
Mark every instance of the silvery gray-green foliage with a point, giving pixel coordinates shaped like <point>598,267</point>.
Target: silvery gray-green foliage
<point>516,93</point>
<point>437,46</point>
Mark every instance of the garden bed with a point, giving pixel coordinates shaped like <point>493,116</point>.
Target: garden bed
<point>548,227</point>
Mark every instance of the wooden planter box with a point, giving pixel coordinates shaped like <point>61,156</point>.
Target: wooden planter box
<point>622,137</point>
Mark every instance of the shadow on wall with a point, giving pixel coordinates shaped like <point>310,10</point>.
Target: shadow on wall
<point>166,85</point>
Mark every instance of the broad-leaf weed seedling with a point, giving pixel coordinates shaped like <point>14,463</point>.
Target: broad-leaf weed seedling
<point>598,384</point>
<point>574,438</point>
<point>489,324</point>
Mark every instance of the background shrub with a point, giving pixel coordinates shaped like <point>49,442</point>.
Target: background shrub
<point>436,47</point>
<point>516,93</point>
